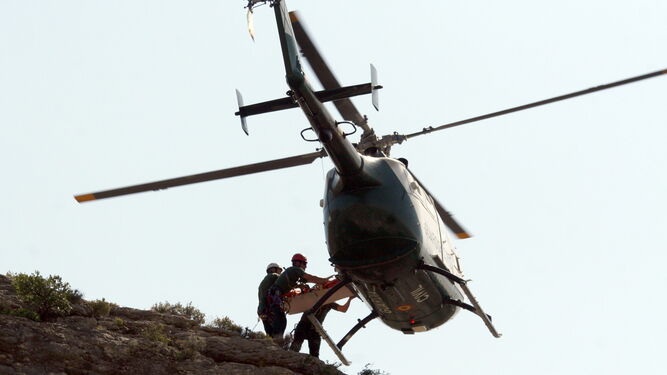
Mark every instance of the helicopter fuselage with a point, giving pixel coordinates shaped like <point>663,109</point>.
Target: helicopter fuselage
<point>380,225</point>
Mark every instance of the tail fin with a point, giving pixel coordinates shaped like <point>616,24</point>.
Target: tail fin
<point>239,100</point>
<point>288,44</point>
<point>374,88</point>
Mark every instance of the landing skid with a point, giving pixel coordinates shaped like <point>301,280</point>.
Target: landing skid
<point>320,330</point>
<point>337,347</point>
<point>361,324</point>
<point>475,308</point>
<point>325,336</point>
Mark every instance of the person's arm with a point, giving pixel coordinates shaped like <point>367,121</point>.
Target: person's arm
<point>314,279</point>
<point>343,308</point>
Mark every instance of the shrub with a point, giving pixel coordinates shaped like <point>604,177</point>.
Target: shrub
<point>156,332</point>
<point>190,347</point>
<point>22,313</point>
<point>47,297</point>
<point>250,334</point>
<point>119,322</point>
<point>75,297</point>
<point>226,323</point>
<point>368,371</point>
<point>229,325</point>
<point>188,311</point>
<point>100,307</point>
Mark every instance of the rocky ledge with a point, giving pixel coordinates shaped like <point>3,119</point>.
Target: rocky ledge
<point>131,341</point>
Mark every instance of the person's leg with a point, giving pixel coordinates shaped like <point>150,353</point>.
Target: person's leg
<point>267,327</point>
<point>299,335</point>
<point>297,341</point>
<point>280,324</point>
<point>314,341</point>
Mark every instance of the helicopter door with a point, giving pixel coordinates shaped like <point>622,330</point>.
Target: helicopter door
<point>449,256</point>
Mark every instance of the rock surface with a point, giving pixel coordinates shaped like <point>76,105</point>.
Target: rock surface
<point>130,341</point>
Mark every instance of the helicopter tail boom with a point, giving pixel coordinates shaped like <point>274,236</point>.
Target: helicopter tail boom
<point>343,154</point>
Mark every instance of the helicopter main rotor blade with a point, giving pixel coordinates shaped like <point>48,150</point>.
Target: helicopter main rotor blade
<point>538,103</point>
<point>324,73</point>
<point>291,161</point>
<point>446,216</point>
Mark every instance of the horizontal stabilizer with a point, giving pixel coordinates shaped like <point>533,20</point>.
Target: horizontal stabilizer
<point>286,103</point>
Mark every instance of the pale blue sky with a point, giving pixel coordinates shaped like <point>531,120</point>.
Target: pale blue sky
<point>567,202</point>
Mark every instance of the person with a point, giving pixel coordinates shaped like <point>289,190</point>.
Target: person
<point>283,284</point>
<point>305,330</point>
<point>273,270</point>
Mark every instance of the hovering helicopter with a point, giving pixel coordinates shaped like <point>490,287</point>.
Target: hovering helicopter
<point>385,232</point>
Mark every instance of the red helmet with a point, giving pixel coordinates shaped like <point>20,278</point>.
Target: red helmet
<point>299,257</point>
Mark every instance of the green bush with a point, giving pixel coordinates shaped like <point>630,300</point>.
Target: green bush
<point>156,332</point>
<point>48,297</point>
<point>100,307</point>
<point>229,325</point>
<point>23,313</point>
<point>119,322</point>
<point>189,348</point>
<point>75,297</point>
<point>226,323</point>
<point>250,334</point>
<point>368,371</point>
<point>188,311</point>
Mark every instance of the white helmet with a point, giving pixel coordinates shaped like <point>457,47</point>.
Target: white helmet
<point>272,265</point>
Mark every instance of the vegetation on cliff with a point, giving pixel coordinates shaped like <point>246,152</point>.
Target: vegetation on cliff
<point>47,327</point>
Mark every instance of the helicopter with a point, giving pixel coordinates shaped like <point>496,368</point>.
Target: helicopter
<point>385,231</point>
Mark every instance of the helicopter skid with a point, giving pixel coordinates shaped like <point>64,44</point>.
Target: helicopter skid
<point>320,330</point>
<point>475,308</point>
<point>310,315</point>
<point>337,348</point>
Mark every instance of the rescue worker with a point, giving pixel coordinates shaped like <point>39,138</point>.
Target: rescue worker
<point>305,330</point>
<point>273,270</point>
<point>285,282</point>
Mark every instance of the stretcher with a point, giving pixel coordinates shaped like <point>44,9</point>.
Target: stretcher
<point>302,297</point>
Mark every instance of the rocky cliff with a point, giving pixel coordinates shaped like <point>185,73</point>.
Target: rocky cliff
<point>131,341</point>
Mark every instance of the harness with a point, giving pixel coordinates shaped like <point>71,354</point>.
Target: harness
<point>274,300</point>
<point>274,303</point>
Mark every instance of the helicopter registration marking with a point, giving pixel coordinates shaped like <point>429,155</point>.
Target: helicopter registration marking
<point>378,302</point>
<point>420,295</point>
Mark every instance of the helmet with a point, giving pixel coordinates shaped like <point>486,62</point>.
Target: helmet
<point>299,257</point>
<point>272,265</point>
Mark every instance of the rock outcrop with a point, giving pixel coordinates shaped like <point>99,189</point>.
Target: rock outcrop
<point>131,341</point>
